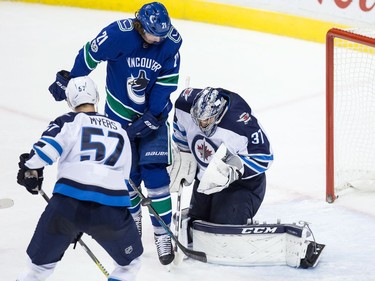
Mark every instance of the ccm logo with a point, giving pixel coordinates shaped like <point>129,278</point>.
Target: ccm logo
<point>258,230</point>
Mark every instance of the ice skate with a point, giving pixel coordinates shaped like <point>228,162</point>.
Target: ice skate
<point>164,248</point>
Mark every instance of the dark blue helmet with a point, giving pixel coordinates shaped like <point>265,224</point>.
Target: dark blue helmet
<point>154,19</point>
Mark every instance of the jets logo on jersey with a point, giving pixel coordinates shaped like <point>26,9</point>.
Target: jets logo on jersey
<point>244,117</point>
<point>136,87</point>
<point>186,94</point>
<point>203,150</point>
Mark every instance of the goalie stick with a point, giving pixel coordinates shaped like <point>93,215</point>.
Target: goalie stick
<point>200,256</point>
<point>6,203</point>
<point>83,244</point>
<point>178,255</point>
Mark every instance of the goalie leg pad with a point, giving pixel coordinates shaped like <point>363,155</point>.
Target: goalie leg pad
<point>255,244</point>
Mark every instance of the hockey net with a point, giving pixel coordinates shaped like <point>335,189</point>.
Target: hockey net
<point>350,111</point>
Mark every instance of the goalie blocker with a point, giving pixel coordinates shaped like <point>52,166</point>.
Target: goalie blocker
<point>255,244</point>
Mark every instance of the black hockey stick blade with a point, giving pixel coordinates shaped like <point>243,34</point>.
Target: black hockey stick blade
<point>197,255</point>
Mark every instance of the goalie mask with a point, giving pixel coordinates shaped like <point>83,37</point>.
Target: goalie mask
<point>154,19</point>
<point>208,109</point>
<point>81,90</point>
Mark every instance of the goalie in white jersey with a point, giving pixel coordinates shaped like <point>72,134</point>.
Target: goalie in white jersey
<point>231,189</point>
<point>90,195</point>
<point>233,153</point>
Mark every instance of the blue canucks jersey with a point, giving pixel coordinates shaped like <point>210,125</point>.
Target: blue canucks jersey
<point>94,157</point>
<point>140,76</point>
<point>239,130</point>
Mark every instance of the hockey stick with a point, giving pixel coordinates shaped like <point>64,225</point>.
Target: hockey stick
<point>178,255</point>
<point>84,246</point>
<point>200,256</point>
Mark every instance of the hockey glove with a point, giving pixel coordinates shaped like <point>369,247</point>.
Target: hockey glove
<point>144,126</point>
<point>57,88</point>
<point>30,178</point>
<point>223,169</point>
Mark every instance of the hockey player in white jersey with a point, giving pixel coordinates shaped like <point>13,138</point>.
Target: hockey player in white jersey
<point>233,153</point>
<point>90,195</point>
<point>232,189</point>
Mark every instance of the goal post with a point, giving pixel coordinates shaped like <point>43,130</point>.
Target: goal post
<point>350,110</point>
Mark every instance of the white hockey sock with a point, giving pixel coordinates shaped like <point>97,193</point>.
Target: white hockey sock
<point>37,272</point>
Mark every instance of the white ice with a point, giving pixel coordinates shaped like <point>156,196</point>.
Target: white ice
<point>282,79</point>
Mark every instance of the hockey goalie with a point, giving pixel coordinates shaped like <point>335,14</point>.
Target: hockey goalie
<point>222,150</point>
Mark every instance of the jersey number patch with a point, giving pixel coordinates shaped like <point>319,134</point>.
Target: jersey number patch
<point>100,147</point>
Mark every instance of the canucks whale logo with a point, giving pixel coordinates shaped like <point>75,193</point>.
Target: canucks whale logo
<point>136,87</point>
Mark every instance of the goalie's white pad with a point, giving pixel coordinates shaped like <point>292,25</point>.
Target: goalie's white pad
<point>255,244</point>
<point>183,168</point>
<point>223,169</point>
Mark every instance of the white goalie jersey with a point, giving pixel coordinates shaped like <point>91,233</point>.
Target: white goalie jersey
<point>239,130</point>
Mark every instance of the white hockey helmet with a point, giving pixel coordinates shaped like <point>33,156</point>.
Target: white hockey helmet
<point>81,90</point>
<point>207,110</point>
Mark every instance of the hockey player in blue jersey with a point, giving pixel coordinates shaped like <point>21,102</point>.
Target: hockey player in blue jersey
<point>228,189</point>
<point>143,62</point>
<point>90,195</point>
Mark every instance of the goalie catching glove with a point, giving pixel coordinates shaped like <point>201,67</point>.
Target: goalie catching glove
<point>223,169</point>
<point>30,178</point>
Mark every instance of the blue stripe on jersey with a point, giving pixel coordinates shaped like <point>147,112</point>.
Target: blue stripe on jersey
<point>263,157</point>
<point>53,143</point>
<point>175,139</point>
<point>42,155</point>
<point>108,200</point>
<point>178,129</point>
<point>96,188</point>
<point>253,165</point>
<point>93,193</point>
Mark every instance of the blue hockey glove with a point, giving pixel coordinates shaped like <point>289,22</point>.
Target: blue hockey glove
<point>57,88</point>
<point>30,178</point>
<point>144,126</point>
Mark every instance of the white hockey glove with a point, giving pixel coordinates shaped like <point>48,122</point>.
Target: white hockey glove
<point>223,169</point>
<point>183,168</point>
